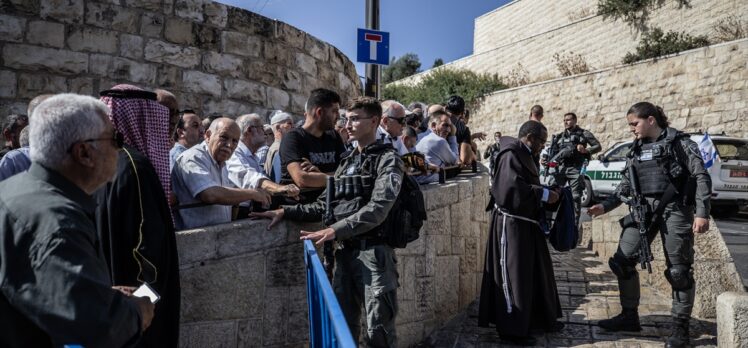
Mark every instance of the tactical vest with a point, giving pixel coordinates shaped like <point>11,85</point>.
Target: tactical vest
<point>404,220</point>
<point>571,139</point>
<point>657,164</point>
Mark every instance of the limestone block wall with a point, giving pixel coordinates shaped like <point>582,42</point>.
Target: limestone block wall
<point>217,59</point>
<point>714,269</point>
<point>699,89</point>
<point>245,286</point>
<point>531,32</point>
<point>732,320</point>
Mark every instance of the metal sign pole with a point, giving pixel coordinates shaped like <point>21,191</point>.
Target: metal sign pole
<point>373,71</point>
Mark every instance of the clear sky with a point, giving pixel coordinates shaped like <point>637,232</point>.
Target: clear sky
<point>430,28</point>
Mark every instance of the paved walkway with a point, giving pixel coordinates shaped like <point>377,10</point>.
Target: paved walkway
<point>588,293</point>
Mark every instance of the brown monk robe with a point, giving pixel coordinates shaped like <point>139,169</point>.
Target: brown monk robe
<point>531,302</point>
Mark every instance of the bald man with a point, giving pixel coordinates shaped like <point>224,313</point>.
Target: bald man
<point>200,176</point>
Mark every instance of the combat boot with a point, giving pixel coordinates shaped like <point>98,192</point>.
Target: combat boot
<point>680,337</point>
<point>628,320</point>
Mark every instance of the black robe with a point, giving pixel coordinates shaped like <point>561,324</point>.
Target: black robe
<point>118,220</point>
<point>516,189</point>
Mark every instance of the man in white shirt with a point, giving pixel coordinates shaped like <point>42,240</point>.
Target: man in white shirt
<point>245,169</point>
<point>391,127</point>
<point>434,145</point>
<point>189,132</point>
<point>200,179</point>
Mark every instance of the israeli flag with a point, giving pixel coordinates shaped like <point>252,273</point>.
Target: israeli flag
<point>708,151</point>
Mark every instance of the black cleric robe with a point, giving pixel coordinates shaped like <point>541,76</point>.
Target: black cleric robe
<point>118,222</point>
<point>530,301</point>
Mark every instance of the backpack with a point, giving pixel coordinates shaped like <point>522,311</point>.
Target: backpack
<point>564,234</point>
<point>405,219</point>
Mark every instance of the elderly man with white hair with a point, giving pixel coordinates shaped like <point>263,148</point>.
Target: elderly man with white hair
<point>245,170</point>
<point>200,179</point>
<point>391,126</point>
<point>56,288</point>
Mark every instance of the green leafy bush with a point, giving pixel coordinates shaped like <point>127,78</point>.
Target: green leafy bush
<point>634,12</point>
<point>442,83</point>
<point>655,44</point>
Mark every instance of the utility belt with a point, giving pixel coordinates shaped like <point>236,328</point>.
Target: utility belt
<point>368,240</point>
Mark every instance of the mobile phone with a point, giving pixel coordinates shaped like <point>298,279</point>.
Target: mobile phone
<point>146,291</point>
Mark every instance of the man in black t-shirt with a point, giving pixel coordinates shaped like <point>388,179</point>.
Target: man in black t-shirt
<point>313,151</point>
<point>456,108</point>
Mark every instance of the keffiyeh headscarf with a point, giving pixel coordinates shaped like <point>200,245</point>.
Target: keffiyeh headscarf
<point>144,124</point>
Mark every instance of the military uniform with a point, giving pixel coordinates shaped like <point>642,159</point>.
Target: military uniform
<point>571,161</point>
<point>672,159</point>
<point>365,266</point>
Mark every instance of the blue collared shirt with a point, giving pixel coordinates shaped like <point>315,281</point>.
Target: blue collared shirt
<point>14,162</point>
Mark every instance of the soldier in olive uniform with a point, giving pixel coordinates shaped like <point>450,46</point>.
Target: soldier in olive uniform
<point>365,266</point>
<point>572,147</point>
<point>662,157</point>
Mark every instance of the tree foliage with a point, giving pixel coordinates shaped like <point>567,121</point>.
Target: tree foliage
<point>401,67</point>
<point>437,63</point>
<point>442,83</point>
<point>655,43</point>
<point>634,12</point>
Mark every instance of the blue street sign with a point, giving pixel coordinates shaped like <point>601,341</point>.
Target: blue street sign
<point>373,47</point>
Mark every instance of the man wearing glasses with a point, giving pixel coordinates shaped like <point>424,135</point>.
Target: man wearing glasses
<point>391,127</point>
<point>56,286</point>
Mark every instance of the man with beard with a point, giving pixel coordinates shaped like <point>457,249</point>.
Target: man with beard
<point>519,292</point>
<point>133,218</point>
<point>310,153</point>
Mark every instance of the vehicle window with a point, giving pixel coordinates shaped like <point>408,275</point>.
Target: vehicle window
<point>729,149</point>
<point>619,153</point>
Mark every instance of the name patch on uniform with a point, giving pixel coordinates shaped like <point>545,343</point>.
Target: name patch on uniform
<point>646,155</point>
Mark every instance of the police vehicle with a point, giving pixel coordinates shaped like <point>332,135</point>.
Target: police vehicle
<point>729,174</point>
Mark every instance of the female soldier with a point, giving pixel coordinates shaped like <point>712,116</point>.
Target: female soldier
<point>676,189</point>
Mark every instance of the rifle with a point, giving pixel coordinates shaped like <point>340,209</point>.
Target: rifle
<point>328,250</point>
<point>641,213</point>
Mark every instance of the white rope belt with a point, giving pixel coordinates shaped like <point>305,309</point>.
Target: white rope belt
<point>504,274</point>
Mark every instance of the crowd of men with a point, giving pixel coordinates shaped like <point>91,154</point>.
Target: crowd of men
<point>89,213</point>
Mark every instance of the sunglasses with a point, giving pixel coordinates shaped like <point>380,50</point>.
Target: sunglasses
<point>400,120</point>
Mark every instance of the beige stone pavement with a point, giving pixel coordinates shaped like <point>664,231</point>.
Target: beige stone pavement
<point>588,292</point>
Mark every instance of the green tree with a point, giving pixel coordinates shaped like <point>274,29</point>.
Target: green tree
<point>401,67</point>
<point>634,12</point>
<point>437,86</point>
<point>655,44</point>
<point>438,62</point>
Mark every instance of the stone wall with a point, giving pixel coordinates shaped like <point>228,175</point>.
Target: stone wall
<point>732,320</point>
<point>699,89</point>
<point>245,286</point>
<point>714,269</point>
<point>531,32</point>
<point>217,59</point>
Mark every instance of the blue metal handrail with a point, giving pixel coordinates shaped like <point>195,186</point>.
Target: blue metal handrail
<point>327,325</point>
